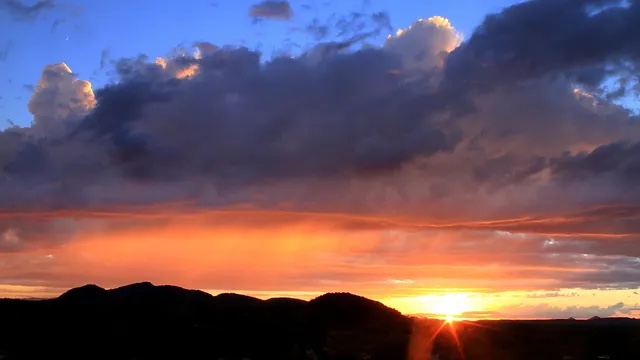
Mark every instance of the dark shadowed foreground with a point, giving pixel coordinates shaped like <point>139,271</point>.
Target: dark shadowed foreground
<point>143,321</point>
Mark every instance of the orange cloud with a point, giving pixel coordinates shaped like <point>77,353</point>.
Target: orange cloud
<point>231,250</point>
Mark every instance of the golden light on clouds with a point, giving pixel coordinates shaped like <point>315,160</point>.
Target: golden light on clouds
<point>187,71</point>
<point>160,61</point>
<point>424,44</point>
<point>438,21</point>
<point>178,71</point>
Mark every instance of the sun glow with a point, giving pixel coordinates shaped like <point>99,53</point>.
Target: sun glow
<point>450,305</point>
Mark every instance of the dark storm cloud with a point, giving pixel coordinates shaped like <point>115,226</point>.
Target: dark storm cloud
<point>287,118</point>
<point>271,9</point>
<point>506,169</point>
<point>619,162</point>
<point>20,11</point>
<point>582,39</point>
<point>205,48</point>
<point>222,118</point>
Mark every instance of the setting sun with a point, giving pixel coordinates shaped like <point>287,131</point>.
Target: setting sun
<point>450,305</point>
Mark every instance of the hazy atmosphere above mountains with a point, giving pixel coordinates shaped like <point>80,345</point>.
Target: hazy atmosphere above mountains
<point>291,148</point>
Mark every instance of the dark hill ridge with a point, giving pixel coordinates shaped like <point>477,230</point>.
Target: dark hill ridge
<point>148,321</point>
<point>138,293</point>
<point>340,306</point>
<point>144,321</point>
<point>88,292</point>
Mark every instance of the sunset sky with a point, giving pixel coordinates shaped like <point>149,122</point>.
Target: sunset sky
<point>471,158</point>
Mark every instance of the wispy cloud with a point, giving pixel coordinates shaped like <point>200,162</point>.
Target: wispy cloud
<point>20,11</point>
<point>271,9</point>
<point>5,49</point>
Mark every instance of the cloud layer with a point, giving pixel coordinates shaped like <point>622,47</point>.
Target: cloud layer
<point>503,150</point>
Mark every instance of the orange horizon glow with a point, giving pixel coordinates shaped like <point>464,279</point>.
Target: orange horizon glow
<point>271,254</point>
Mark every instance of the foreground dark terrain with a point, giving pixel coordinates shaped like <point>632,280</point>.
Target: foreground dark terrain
<point>143,321</point>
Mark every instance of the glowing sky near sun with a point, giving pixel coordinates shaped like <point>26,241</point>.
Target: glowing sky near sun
<point>298,149</point>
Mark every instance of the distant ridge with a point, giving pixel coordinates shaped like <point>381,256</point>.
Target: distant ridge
<point>89,292</point>
<point>147,293</point>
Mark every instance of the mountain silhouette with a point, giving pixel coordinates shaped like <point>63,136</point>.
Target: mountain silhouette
<point>84,294</point>
<point>144,321</point>
<point>144,292</point>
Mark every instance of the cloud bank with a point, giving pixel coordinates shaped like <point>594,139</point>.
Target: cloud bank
<point>426,150</point>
